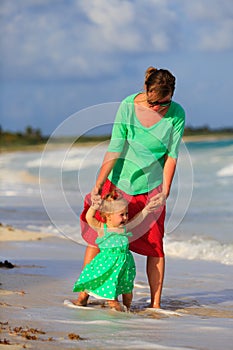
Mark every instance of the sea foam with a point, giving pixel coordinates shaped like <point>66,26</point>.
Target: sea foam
<point>226,171</point>
<point>198,248</point>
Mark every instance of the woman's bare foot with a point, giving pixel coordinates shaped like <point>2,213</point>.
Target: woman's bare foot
<point>82,299</point>
<point>154,306</point>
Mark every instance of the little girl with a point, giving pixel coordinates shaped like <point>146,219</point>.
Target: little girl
<point>112,271</point>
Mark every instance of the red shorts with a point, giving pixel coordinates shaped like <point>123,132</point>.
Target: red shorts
<point>147,237</point>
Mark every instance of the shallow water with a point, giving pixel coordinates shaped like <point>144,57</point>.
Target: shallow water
<point>197,302</point>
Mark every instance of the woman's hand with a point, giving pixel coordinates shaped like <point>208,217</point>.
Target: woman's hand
<point>96,190</point>
<point>156,202</point>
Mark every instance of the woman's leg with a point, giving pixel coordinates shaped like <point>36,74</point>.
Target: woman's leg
<point>155,273</point>
<point>90,253</point>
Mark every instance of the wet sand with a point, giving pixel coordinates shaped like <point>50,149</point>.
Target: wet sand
<point>33,285</point>
<point>33,314</point>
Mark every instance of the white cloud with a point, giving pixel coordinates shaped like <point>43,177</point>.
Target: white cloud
<point>213,24</point>
<point>110,26</point>
<point>129,26</point>
<point>104,46</point>
<point>66,41</point>
<point>92,38</point>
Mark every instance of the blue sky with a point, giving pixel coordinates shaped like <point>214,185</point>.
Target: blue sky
<point>59,57</point>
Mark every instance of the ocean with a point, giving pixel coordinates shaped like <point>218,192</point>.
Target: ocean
<point>199,210</point>
<point>44,191</point>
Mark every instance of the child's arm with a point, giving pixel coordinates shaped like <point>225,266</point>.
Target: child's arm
<point>90,215</point>
<point>91,220</point>
<point>139,217</point>
<point>136,220</point>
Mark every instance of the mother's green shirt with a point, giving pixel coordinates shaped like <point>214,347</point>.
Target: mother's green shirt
<point>139,168</point>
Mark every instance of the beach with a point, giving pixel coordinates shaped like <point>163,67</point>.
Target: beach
<point>40,236</point>
<point>33,288</point>
<point>45,267</point>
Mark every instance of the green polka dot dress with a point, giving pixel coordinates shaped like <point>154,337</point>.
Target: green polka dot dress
<point>112,271</point>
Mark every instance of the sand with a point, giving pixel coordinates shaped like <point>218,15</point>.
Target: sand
<point>33,315</point>
<point>30,285</point>
<point>9,233</point>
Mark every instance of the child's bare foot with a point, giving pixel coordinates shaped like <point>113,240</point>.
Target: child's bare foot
<point>82,299</point>
<point>114,304</point>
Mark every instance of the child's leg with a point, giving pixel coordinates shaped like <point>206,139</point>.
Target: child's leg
<point>82,299</point>
<point>127,299</point>
<point>90,253</point>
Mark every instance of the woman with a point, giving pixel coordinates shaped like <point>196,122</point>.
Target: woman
<point>140,163</point>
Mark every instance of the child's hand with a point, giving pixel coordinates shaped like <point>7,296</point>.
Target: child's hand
<point>156,202</point>
<point>96,199</point>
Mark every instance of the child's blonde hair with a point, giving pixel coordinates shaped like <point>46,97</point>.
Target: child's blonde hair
<point>113,202</point>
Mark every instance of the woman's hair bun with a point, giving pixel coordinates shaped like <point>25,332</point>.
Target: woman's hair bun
<point>150,70</point>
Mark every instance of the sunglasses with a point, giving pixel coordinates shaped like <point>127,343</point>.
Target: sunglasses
<point>161,104</point>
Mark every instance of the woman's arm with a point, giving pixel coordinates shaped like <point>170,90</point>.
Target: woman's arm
<point>115,147</point>
<point>168,174</point>
<point>109,161</point>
